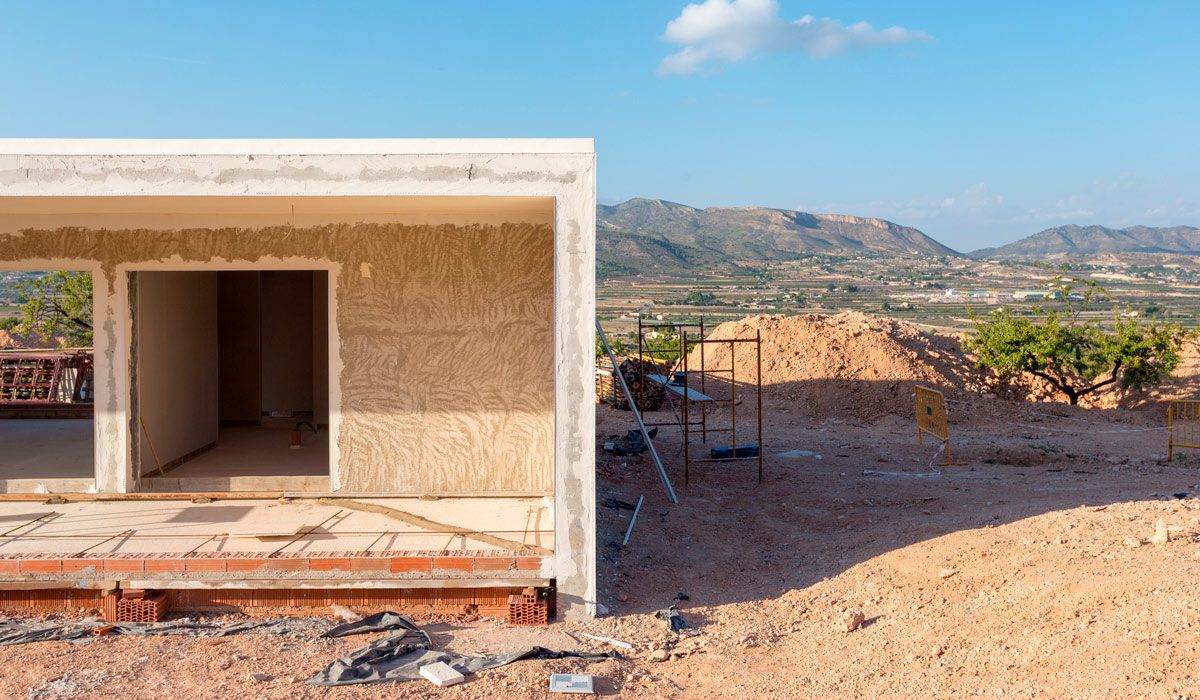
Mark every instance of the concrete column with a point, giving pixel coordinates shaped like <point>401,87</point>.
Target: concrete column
<point>575,396</point>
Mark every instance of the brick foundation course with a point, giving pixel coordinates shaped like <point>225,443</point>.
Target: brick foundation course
<point>232,566</point>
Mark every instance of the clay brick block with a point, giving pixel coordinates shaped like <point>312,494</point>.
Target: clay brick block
<point>411,564</point>
<point>370,564</point>
<point>124,565</point>
<point>159,565</point>
<point>287,564</point>
<point>82,564</point>
<point>495,563</point>
<point>40,566</point>
<point>329,564</point>
<point>203,564</point>
<point>244,564</point>
<point>529,563</point>
<point>454,563</point>
<point>8,566</point>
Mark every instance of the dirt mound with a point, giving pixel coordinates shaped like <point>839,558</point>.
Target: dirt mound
<point>848,364</point>
<point>9,339</point>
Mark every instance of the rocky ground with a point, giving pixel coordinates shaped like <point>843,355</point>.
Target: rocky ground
<point>1058,560</point>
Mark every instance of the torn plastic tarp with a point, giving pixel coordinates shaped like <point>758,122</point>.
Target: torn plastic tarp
<point>678,625</point>
<point>400,656</point>
<point>634,443</point>
<point>18,633</point>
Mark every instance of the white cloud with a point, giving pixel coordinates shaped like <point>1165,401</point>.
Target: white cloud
<point>731,30</point>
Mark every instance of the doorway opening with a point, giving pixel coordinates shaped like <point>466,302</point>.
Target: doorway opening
<point>230,380</point>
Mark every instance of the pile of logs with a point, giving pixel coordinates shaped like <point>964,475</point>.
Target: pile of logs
<point>650,396</point>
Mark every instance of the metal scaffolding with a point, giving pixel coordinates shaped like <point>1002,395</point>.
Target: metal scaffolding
<point>690,384</point>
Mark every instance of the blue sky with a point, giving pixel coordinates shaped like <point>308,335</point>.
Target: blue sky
<point>979,123</point>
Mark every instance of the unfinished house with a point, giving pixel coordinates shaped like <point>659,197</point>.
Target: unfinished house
<point>325,371</point>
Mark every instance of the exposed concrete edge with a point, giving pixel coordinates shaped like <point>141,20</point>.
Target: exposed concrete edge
<point>355,147</point>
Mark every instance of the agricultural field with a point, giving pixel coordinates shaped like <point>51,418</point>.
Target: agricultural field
<point>936,294</point>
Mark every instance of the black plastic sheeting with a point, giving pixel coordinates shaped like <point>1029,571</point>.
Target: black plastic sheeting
<point>17,633</point>
<point>400,656</point>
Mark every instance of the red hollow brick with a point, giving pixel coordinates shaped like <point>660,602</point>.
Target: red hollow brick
<point>494,563</point>
<point>82,564</point>
<point>288,564</point>
<point>124,565</point>
<point>241,564</point>
<point>370,564</point>
<point>529,563</point>
<point>454,563</point>
<point>41,566</point>
<point>8,566</point>
<point>204,564</point>
<point>329,564</point>
<point>158,565</point>
<point>411,564</point>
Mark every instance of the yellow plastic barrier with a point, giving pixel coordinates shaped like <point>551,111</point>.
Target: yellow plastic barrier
<point>931,417</point>
<point>1183,426</point>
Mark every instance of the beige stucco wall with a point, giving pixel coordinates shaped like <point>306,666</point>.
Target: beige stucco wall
<point>444,340</point>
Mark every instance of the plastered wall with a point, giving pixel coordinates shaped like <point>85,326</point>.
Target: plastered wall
<point>445,340</point>
<point>176,384</point>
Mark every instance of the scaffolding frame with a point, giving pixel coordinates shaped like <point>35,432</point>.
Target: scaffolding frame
<point>689,396</point>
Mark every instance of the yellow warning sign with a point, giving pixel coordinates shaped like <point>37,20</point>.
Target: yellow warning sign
<point>931,418</point>
<point>1183,425</point>
<point>931,414</point>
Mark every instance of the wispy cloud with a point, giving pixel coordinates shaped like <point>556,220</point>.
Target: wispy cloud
<point>727,31</point>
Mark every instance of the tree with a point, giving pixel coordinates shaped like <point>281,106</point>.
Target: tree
<point>59,303</point>
<point>1076,355</point>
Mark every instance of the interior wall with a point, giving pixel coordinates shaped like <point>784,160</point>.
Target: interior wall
<point>320,370</point>
<point>239,364</point>
<point>287,341</point>
<point>176,374</point>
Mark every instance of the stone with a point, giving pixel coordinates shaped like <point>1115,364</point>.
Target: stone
<point>947,573</point>
<point>1161,536</point>
<point>659,655</point>
<point>851,620</point>
<point>344,614</point>
<point>258,677</point>
<point>1132,542</point>
<point>622,597</point>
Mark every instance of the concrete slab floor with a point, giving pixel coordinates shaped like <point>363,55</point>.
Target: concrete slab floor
<point>259,451</point>
<point>46,449</point>
<point>129,526</point>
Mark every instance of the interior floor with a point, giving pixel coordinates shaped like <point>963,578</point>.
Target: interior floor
<point>46,449</point>
<point>259,451</point>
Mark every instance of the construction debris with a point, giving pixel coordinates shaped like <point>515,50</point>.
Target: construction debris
<point>582,683</point>
<point>441,674</point>
<point>676,622</point>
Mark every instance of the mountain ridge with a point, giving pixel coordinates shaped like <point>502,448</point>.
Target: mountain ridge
<point>658,234</point>
<point>1072,240</point>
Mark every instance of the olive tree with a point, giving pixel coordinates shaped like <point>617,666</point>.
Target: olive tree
<point>58,303</point>
<point>1077,355</point>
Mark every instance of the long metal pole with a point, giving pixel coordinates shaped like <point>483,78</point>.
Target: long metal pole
<point>687,419</point>
<point>633,520</point>
<point>758,347</point>
<point>662,473</point>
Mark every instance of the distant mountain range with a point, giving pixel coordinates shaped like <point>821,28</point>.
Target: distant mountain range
<point>1078,241</point>
<point>643,235</point>
<point>651,235</point>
